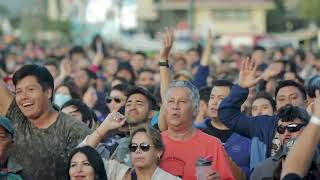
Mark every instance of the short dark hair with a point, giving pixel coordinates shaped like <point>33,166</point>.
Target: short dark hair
<point>205,94</point>
<point>140,90</point>
<point>267,96</point>
<point>77,49</point>
<point>289,113</point>
<point>286,83</point>
<point>141,53</point>
<point>94,159</point>
<point>222,82</point>
<point>146,70</point>
<point>41,74</point>
<point>313,85</point>
<point>128,67</point>
<point>88,115</point>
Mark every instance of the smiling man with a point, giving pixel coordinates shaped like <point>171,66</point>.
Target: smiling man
<point>138,110</point>
<point>44,137</point>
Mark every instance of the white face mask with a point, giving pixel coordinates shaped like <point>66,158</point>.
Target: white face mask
<point>60,99</point>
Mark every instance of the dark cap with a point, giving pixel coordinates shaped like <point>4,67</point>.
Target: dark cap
<point>7,125</point>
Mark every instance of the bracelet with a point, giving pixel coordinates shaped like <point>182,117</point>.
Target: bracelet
<point>315,120</point>
<point>163,63</point>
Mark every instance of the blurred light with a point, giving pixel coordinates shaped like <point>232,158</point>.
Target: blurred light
<point>96,10</point>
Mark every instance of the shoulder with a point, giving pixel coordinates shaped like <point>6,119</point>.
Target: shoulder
<point>71,125</point>
<point>202,125</point>
<point>160,174</point>
<point>201,136</point>
<point>265,168</point>
<point>114,169</point>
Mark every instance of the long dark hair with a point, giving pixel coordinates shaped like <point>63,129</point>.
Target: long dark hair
<point>94,159</point>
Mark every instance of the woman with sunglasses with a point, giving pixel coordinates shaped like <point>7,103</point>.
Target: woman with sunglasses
<point>117,97</point>
<point>146,147</point>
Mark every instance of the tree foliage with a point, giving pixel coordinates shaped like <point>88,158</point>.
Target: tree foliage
<point>309,10</point>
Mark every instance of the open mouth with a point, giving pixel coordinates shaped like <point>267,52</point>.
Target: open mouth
<point>28,104</point>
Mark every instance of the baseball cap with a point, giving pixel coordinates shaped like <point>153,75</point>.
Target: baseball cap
<point>7,125</point>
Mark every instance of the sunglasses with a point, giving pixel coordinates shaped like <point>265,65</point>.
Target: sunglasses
<point>143,146</point>
<point>116,99</point>
<point>291,128</point>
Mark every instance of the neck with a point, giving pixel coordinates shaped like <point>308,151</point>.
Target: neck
<point>215,122</point>
<point>181,134</point>
<point>145,173</point>
<point>46,119</point>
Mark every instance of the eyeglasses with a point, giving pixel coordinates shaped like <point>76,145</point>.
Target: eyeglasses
<point>291,128</point>
<point>143,146</point>
<point>116,99</point>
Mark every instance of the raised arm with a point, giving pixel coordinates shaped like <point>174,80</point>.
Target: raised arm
<point>112,121</point>
<point>200,78</point>
<point>167,42</point>
<point>6,97</point>
<point>229,111</point>
<point>306,145</point>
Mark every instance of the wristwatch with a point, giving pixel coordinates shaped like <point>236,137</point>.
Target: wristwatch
<point>164,63</point>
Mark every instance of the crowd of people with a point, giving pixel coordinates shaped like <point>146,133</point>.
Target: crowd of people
<point>101,112</point>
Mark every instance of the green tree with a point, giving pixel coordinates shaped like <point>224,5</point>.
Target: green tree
<point>309,10</point>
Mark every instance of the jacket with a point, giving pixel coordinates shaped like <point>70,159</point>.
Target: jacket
<point>260,129</point>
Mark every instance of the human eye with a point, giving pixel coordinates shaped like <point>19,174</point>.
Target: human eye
<point>87,163</point>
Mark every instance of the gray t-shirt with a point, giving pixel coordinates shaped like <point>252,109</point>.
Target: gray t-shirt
<point>43,153</point>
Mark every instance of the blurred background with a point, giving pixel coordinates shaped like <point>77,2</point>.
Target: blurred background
<point>134,24</point>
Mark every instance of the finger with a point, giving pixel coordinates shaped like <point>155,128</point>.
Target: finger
<point>252,64</point>
<point>242,65</point>
<point>255,67</point>
<point>247,61</point>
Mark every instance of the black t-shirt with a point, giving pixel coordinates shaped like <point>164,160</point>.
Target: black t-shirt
<point>292,177</point>
<point>223,135</point>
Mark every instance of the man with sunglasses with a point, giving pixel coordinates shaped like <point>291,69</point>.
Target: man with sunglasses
<point>292,121</point>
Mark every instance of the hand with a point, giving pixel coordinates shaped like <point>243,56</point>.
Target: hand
<point>167,42</point>
<point>112,121</point>
<point>214,175</point>
<point>97,59</point>
<point>209,38</point>
<point>247,74</point>
<point>270,72</point>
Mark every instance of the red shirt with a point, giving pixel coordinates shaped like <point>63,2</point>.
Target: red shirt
<point>180,157</point>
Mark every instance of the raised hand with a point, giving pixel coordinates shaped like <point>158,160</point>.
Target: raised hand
<point>97,59</point>
<point>167,42</point>
<point>247,74</point>
<point>270,72</point>
<point>112,121</point>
